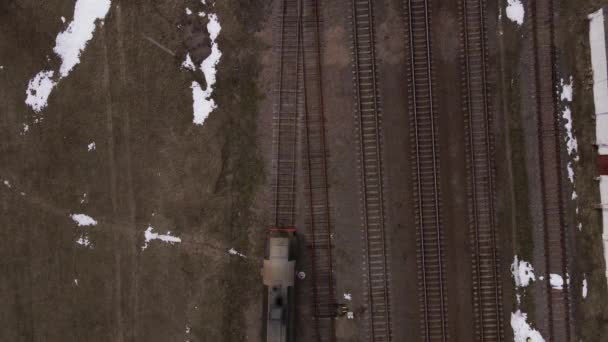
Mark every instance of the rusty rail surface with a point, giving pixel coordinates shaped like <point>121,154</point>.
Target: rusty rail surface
<point>426,173</point>
<point>318,234</point>
<point>285,116</point>
<point>559,327</point>
<point>487,293</point>
<point>368,126</point>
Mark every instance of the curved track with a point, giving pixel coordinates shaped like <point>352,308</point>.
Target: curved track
<point>367,117</point>
<point>559,302</point>
<point>487,294</point>
<point>425,163</point>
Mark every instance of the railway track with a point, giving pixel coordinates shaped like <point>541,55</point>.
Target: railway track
<point>285,116</point>
<point>305,41</point>
<point>487,296</point>
<point>368,126</point>
<point>559,311</point>
<point>299,135</point>
<point>426,181</point>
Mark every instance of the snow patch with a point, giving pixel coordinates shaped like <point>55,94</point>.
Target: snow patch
<point>522,331</point>
<point>7,183</point>
<point>203,104</point>
<point>233,251</point>
<point>69,44</point>
<point>515,11</point>
<point>39,89</point>
<point>84,241</point>
<point>83,220</point>
<point>556,281</point>
<point>188,64</point>
<point>348,296</point>
<point>523,272</point>
<point>91,146</point>
<point>566,96</point>
<point>149,236</point>
<point>584,288</point>
<point>188,11</point>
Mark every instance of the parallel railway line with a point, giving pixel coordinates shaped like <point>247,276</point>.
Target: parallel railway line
<point>299,135</point>
<point>487,294</point>
<point>285,117</point>
<point>559,311</point>
<point>318,234</point>
<point>368,126</point>
<point>426,173</point>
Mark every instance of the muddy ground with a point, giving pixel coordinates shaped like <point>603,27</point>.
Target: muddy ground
<point>208,184</point>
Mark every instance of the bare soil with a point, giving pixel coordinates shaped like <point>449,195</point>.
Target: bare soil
<point>209,184</point>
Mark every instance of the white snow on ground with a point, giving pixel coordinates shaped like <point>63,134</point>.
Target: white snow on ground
<point>91,146</point>
<point>188,11</point>
<point>556,281</point>
<point>515,11</point>
<point>39,89</point>
<point>203,104</point>
<point>571,142</point>
<point>168,238</point>
<point>83,240</point>
<point>83,220</point>
<point>584,289</point>
<point>522,331</point>
<point>76,281</point>
<point>523,272</point>
<point>348,296</point>
<point>233,251</point>
<point>6,183</point>
<point>188,64</point>
<point>69,44</point>
<point>566,90</point>
<point>570,138</point>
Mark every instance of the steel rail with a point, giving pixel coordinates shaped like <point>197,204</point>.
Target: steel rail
<point>278,201</point>
<point>379,326</point>
<point>316,162</point>
<point>559,309</point>
<point>432,331</point>
<point>480,180</point>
